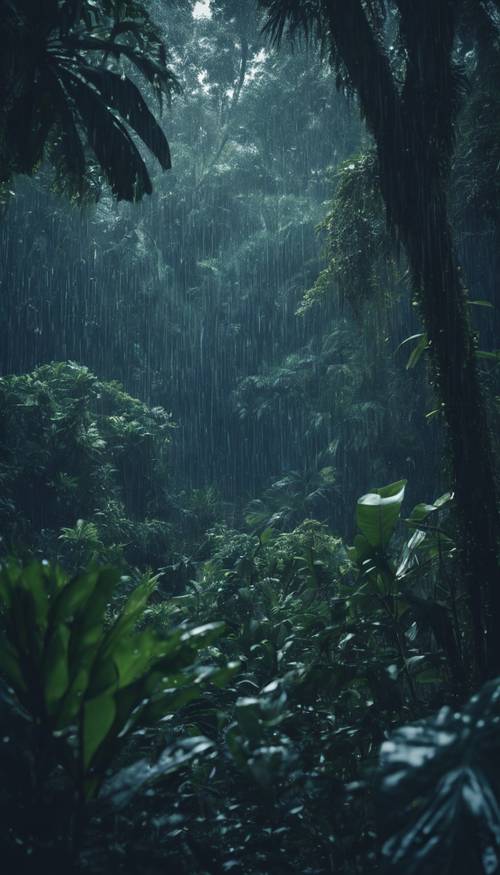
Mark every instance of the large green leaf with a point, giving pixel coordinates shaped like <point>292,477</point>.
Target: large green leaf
<point>10,666</point>
<point>98,718</point>
<point>67,709</point>
<point>133,655</point>
<point>156,73</point>
<point>378,513</point>
<point>362,550</point>
<point>130,780</point>
<point>103,677</point>
<point>85,615</point>
<point>36,580</point>
<point>9,573</point>
<point>55,666</point>
<point>23,626</point>
<point>130,614</point>
<point>67,152</point>
<point>423,510</point>
<point>104,683</point>
<point>87,626</point>
<point>72,597</point>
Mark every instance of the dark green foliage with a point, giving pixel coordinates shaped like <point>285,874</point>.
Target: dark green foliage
<point>346,422</point>
<point>331,655</point>
<point>83,686</point>
<point>361,256</point>
<point>440,783</point>
<point>244,692</point>
<point>62,99</point>
<point>292,499</point>
<point>269,761</point>
<point>83,468</point>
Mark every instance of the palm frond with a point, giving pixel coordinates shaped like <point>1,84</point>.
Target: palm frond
<point>123,96</point>
<point>156,72</point>
<point>292,17</point>
<point>68,152</point>
<point>60,83</point>
<point>115,151</point>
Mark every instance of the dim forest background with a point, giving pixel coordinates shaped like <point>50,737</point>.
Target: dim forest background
<point>249,322</point>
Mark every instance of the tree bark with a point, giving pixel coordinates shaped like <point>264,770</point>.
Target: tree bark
<point>444,310</point>
<point>413,132</point>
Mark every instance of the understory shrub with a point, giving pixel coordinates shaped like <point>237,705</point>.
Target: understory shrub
<point>84,470</point>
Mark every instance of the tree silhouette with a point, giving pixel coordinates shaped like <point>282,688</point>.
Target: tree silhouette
<point>67,93</point>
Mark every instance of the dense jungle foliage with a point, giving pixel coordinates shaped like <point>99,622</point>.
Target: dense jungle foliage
<point>249,418</point>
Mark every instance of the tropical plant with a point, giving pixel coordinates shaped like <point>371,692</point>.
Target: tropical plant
<point>293,498</point>
<point>67,93</point>
<point>335,647</point>
<point>84,685</point>
<point>440,790</point>
<point>416,593</point>
<point>84,469</point>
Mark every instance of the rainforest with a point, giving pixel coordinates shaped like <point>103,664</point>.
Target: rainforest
<point>249,437</point>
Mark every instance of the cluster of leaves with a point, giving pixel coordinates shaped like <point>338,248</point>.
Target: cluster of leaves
<point>80,685</point>
<point>341,404</point>
<point>67,93</point>
<point>294,498</point>
<point>335,647</point>
<point>83,469</point>
<point>266,760</point>
<point>361,258</point>
<point>442,792</point>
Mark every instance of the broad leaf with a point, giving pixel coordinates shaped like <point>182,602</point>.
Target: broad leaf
<point>98,718</point>
<point>378,513</point>
<point>129,781</point>
<point>55,666</point>
<point>440,781</point>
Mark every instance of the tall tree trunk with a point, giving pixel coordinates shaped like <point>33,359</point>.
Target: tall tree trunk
<point>413,132</point>
<point>444,309</point>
